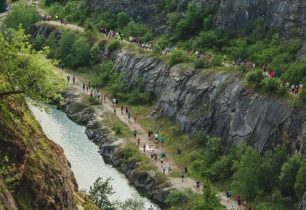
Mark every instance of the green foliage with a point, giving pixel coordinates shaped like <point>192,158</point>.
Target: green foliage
<point>132,203</point>
<point>105,74</point>
<point>200,63</point>
<point>288,175</point>
<point>123,19</point>
<point>25,70</point>
<point>93,101</point>
<point>80,53</point>
<point>178,198</point>
<point>99,193</point>
<point>138,30</point>
<point>72,11</point>
<point>113,45</point>
<point>23,15</point>
<point>137,97</point>
<point>64,46</point>
<point>117,129</point>
<point>270,84</point>
<point>248,172</point>
<point>255,77</point>
<point>300,184</point>
<point>178,56</point>
<point>190,25</point>
<point>209,200</point>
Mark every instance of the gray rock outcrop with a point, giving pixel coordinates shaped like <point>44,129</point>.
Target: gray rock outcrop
<point>287,15</point>
<point>302,205</point>
<point>216,102</point>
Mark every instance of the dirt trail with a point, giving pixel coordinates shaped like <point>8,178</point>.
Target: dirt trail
<point>150,145</point>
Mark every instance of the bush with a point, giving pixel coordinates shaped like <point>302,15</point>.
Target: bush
<point>93,101</point>
<point>113,45</point>
<point>176,57</point>
<point>270,84</point>
<point>255,77</point>
<point>137,97</point>
<point>80,53</point>
<point>217,60</point>
<point>123,19</point>
<point>200,63</point>
<point>117,129</point>
<point>177,198</point>
<point>22,14</point>
<point>105,74</point>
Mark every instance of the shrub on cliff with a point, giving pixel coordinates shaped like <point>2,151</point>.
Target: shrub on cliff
<point>270,84</point>
<point>113,45</point>
<point>178,56</point>
<point>255,77</point>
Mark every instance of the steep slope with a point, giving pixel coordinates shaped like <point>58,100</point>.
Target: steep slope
<point>287,15</point>
<point>35,171</point>
<point>216,102</point>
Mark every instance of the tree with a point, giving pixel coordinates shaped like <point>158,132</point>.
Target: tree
<point>300,183</point>
<point>2,6</point>
<point>209,200</point>
<point>80,53</point>
<point>288,175</point>
<point>136,202</point>
<point>22,14</point>
<point>64,45</point>
<point>247,175</point>
<point>23,70</point>
<point>122,19</point>
<point>99,193</point>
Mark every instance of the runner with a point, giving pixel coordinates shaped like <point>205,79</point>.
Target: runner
<point>150,208</point>
<point>182,175</point>
<point>144,148</point>
<point>126,110</point>
<point>135,134</point>
<point>138,142</point>
<point>198,185</point>
<point>169,168</point>
<point>164,169</point>
<point>135,118</point>
<point>129,116</point>
<point>83,87</point>
<point>239,200</point>
<point>68,78</point>
<point>115,111</point>
<point>73,79</point>
<point>121,110</point>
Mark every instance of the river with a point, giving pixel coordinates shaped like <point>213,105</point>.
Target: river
<point>86,163</point>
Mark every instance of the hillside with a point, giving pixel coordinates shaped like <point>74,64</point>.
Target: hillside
<point>35,173</point>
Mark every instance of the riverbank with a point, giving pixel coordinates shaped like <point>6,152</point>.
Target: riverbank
<point>149,183</point>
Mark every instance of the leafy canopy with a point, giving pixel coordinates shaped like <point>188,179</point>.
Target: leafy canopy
<point>22,14</point>
<point>24,70</point>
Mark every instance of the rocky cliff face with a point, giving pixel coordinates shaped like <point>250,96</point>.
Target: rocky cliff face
<point>288,15</point>
<point>34,172</point>
<point>302,205</point>
<point>216,102</point>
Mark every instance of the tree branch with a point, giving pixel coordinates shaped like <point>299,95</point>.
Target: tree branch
<point>2,94</point>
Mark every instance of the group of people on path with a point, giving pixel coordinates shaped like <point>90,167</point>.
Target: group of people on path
<point>71,78</point>
<point>120,36</point>
<point>229,195</point>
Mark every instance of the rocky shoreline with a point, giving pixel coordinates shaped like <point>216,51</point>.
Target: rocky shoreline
<point>111,150</point>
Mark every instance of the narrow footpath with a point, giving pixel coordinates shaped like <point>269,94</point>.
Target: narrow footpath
<point>176,182</point>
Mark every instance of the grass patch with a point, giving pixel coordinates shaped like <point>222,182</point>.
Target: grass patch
<point>117,126</point>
